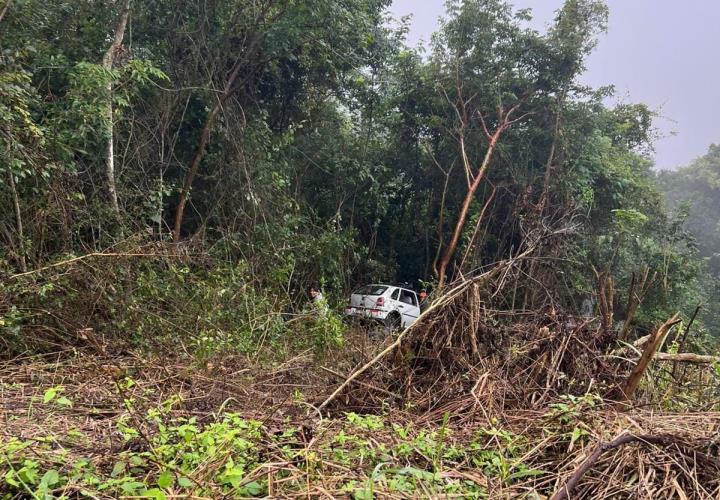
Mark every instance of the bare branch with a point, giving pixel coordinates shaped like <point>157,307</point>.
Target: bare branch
<point>5,8</point>
<point>484,125</point>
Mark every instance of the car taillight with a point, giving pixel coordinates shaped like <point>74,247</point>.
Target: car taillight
<point>380,302</point>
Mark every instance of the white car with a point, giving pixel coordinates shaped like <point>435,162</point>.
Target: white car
<point>392,305</point>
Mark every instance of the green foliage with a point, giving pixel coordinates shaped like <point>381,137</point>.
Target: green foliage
<point>54,396</point>
<point>334,159</point>
<point>186,456</point>
<point>205,311</point>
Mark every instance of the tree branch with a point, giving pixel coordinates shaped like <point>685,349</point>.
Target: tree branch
<point>572,482</point>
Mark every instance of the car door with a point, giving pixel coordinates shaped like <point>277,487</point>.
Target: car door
<point>408,307</point>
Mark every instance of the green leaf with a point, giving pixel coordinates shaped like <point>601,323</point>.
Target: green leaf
<point>49,394</point>
<point>184,482</point>
<point>131,487</point>
<point>50,478</point>
<point>364,494</point>
<point>254,488</point>
<point>10,479</point>
<point>118,469</point>
<point>63,401</point>
<point>525,473</point>
<point>155,493</point>
<point>165,480</point>
<point>577,432</point>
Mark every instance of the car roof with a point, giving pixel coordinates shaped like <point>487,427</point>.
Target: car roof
<point>389,286</point>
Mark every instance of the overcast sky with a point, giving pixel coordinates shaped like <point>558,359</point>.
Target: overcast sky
<point>663,53</point>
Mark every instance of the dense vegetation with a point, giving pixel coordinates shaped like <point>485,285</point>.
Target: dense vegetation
<point>303,141</point>
<point>173,175</point>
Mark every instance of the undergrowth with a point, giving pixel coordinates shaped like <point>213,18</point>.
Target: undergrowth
<point>203,310</point>
<point>359,455</point>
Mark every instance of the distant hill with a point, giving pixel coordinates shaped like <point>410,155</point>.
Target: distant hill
<point>696,188</point>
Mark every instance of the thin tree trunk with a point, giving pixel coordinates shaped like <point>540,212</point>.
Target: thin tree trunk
<point>681,346</point>
<point>229,89</point>
<point>441,223</point>
<point>450,249</point>
<point>481,217</point>
<point>18,223</point>
<point>551,156</point>
<point>5,9</point>
<point>194,166</point>
<point>108,61</point>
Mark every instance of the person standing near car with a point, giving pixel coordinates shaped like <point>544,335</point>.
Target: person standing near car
<point>317,299</point>
<point>423,297</point>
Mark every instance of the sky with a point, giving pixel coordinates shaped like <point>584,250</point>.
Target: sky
<point>663,53</point>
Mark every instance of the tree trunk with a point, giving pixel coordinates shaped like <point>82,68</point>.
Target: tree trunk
<point>441,223</point>
<point>107,62</point>
<point>452,246</point>
<point>481,217</point>
<point>194,165</point>
<point>230,88</point>
<point>18,223</point>
<point>551,156</point>
<point>651,348</point>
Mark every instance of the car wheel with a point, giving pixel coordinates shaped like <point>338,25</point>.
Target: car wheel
<point>393,322</point>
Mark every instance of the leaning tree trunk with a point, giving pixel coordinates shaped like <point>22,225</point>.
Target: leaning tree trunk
<point>107,62</point>
<point>462,218</point>
<point>18,223</point>
<point>651,348</point>
<point>505,121</point>
<point>200,151</point>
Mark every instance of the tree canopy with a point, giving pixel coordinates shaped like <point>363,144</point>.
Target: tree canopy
<point>306,140</point>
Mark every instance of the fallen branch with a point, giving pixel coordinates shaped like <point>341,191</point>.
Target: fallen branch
<point>688,357</point>
<point>651,348</point>
<point>570,485</point>
<point>87,256</point>
<point>364,384</point>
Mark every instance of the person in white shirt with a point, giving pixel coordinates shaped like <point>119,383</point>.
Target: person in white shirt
<point>317,298</point>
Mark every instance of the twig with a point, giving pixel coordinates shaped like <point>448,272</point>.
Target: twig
<point>365,384</point>
<point>681,347</point>
<point>570,485</point>
<point>87,256</point>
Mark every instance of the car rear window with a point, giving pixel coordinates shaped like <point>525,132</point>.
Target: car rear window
<point>371,290</point>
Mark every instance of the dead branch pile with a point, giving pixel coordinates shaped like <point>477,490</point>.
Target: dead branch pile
<point>464,355</point>
<point>479,365</point>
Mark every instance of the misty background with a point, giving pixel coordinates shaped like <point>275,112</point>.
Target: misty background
<point>658,52</point>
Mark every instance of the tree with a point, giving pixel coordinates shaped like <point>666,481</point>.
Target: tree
<point>107,62</point>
